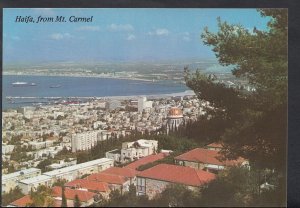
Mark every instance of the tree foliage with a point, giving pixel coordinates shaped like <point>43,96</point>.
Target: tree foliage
<point>42,197</point>
<point>256,123</point>
<point>11,196</point>
<point>239,187</point>
<point>77,202</point>
<point>63,197</point>
<point>43,164</point>
<point>176,196</point>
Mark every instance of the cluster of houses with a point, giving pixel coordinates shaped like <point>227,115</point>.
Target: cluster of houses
<point>132,151</point>
<point>42,132</point>
<point>192,169</point>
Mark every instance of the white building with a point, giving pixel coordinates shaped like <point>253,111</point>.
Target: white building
<point>114,155</point>
<point>77,171</point>
<point>10,181</point>
<point>135,150</point>
<point>40,145</point>
<point>29,184</point>
<point>62,164</point>
<point>26,110</point>
<point>84,141</point>
<point>144,104</point>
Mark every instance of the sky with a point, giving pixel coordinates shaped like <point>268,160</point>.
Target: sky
<point>116,34</point>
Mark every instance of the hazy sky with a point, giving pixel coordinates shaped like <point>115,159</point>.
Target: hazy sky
<point>116,34</point>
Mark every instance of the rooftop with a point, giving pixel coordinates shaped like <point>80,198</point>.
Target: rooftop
<point>126,172</point>
<point>207,156</point>
<point>90,185</point>
<point>178,174</point>
<point>108,178</point>
<point>22,202</point>
<point>71,193</point>
<point>175,112</point>
<point>36,179</point>
<point>115,151</point>
<point>78,166</point>
<point>19,173</point>
<point>146,160</point>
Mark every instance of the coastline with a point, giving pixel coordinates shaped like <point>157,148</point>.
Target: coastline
<point>82,76</point>
<point>120,98</point>
<point>175,94</point>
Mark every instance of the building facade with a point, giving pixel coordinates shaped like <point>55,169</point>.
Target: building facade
<point>10,181</point>
<point>29,184</point>
<point>84,141</point>
<point>144,104</point>
<point>207,159</point>
<point>154,180</point>
<point>76,171</point>
<point>135,150</point>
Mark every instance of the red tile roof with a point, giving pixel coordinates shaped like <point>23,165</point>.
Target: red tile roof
<point>71,193</point>
<point>178,174</point>
<point>146,160</point>
<point>22,202</point>
<point>126,172</point>
<point>90,185</point>
<point>108,178</point>
<point>207,156</point>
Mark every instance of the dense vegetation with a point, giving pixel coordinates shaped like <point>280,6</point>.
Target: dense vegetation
<point>254,124</point>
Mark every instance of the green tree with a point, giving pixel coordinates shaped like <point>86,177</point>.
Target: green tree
<point>63,197</point>
<point>11,196</point>
<point>77,202</point>
<point>83,157</point>
<point>238,186</point>
<point>176,196</point>
<point>42,197</point>
<point>233,187</point>
<point>43,164</point>
<point>257,121</point>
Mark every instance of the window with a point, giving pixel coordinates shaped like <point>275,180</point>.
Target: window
<point>141,189</point>
<point>141,186</point>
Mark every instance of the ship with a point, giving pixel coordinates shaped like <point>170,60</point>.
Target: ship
<point>22,84</point>
<point>55,86</point>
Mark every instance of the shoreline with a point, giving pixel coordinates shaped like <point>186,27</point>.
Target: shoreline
<point>174,94</point>
<point>117,97</point>
<point>83,76</point>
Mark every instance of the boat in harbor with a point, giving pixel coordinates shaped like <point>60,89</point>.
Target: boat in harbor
<point>23,84</point>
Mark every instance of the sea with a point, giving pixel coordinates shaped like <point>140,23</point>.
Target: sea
<point>78,87</point>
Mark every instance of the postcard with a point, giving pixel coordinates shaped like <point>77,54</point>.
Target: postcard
<point>144,107</point>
